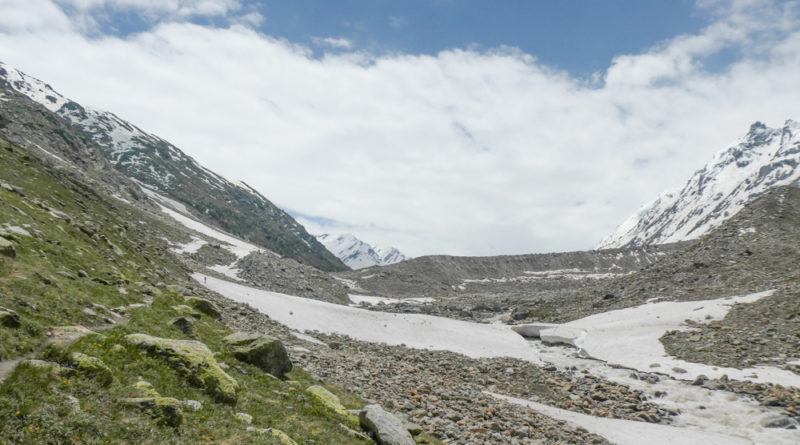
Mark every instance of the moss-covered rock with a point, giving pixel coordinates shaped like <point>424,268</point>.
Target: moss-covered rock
<point>204,306</point>
<point>282,437</point>
<point>193,360</point>
<point>260,350</point>
<point>63,336</point>
<point>9,318</point>
<point>185,325</point>
<point>41,365</point>
<point>7,248</point>
<point>330,401</point>
<point>92,367</point>
<point>165,410</point>
<point>186,311</point>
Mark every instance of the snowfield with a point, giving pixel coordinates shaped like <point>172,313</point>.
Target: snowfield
<point>628,337</point>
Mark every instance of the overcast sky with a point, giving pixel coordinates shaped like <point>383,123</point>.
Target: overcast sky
<point>456,127</point>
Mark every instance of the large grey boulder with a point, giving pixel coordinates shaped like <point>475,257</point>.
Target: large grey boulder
<point>9,318</point>
<point>204,306</point>
<point>7,248</point>
<point>260,350</point>
<point>387,429</point>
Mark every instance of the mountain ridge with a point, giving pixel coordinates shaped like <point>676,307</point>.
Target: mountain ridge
<point>234,208</point>
<point>756,162</point>
<point>358,254</point>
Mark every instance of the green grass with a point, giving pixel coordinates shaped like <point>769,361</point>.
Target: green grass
<point>42,285</point>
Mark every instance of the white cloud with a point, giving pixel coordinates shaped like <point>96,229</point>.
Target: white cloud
<point>333,42</point>
<point>464,152</point>
<point>182,8</point>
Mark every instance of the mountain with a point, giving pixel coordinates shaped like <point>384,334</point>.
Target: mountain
<point>357,254</point>
<point>163,168</point>
<point>762,159</point>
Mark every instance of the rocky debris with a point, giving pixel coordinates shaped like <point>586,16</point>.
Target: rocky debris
<point>779,421</point>
<point>63,336</point>
<point>385,427</point>
<point>9,318</point>
<point>7,248</point>
<point>185,325</point>
<point>766,332</point>
<point>165,410</point>
<point>284,275</point>
<point>193,360</point>
<point>92,367</point>
<point>767,394</point>
<point>260,350</point>
<point>204,306</point>
<point>213,254</point>
<point>330,401</point>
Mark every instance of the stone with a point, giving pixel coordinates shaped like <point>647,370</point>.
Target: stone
<point>384,426</point>
<point>330,401</point>
<point>92,367</point>
<point>186,311</point>
<point>7,248</point>
<point>204,306</point>
<point>699,380</point>
<point>82,273</point>
<point>63,336</point>
<point>194,405</point>
<point>165,410</point>
<point>245,418</point>
<point>185,325</point>
<point>193,360</point>
<point>263,351</point>
<point>9,318</point>
<point>779,421</point>
<point>282,437</point>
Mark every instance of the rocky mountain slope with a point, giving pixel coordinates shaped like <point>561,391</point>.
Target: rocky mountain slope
<point>234,207</point>
<point>762,159</point>
<point>357,254</point>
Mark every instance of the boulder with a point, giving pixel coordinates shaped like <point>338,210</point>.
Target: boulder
<point>9,318</point>
<point>260,350</point>
<point>204,306</point>
<point>186,311</point>
<point>7,248</point>
<point>331,402</point>
<point>185,325</point>
<point>92,367</point>
<point>165,410</point>
<point>193,360</point>
<point>282,437</point>
<point>384,426</point>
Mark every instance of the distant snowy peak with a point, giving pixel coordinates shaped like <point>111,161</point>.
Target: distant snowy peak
<point>763,158</point>
<point>357,254</point>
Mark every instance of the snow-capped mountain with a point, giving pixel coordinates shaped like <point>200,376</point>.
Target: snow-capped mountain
<point>763,158</point>
<point>157,164</point>
<point>357,254</point>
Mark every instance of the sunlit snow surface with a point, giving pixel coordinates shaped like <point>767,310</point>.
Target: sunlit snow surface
<point>707,417</point>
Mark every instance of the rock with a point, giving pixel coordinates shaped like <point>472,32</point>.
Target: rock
<point>43,365</point>
<point>204,306</point>
<point>260,350</point>
<point>191,359</point>
<point>82,273</point>
<point>645,416</point>
<point>186,311</point>
<point>699,380</point>
<point>282,437</point>
<point>9,318</point>
<point>165,410</point>
<point>92,367</point>
<point>193,405</point>
<point>331,402</point>
<point>63,336</point>
<point>678,370</point>
<point>185,325</point>
<point>563,335</point>
<point>778,421</point>
<point>385,427</point>
<point>7,248</point>
<point>245,418</point>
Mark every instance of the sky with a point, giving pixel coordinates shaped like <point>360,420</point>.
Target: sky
<point>459,127</point>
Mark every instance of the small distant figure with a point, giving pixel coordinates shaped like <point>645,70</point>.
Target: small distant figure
<point>205,280</point>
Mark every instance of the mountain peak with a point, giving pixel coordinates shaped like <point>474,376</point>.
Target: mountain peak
<point>762,159</point>
<point>357,254</point>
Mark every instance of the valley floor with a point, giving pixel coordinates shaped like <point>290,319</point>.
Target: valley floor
<point>482,383</point>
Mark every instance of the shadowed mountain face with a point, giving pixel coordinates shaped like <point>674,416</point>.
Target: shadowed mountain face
<point>764,158</point>
<point>158,165</point>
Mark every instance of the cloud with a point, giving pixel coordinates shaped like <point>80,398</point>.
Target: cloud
<point>398,21</point>
<point>181,8</point>
<point>391,146</point>
<point>333,42</point>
